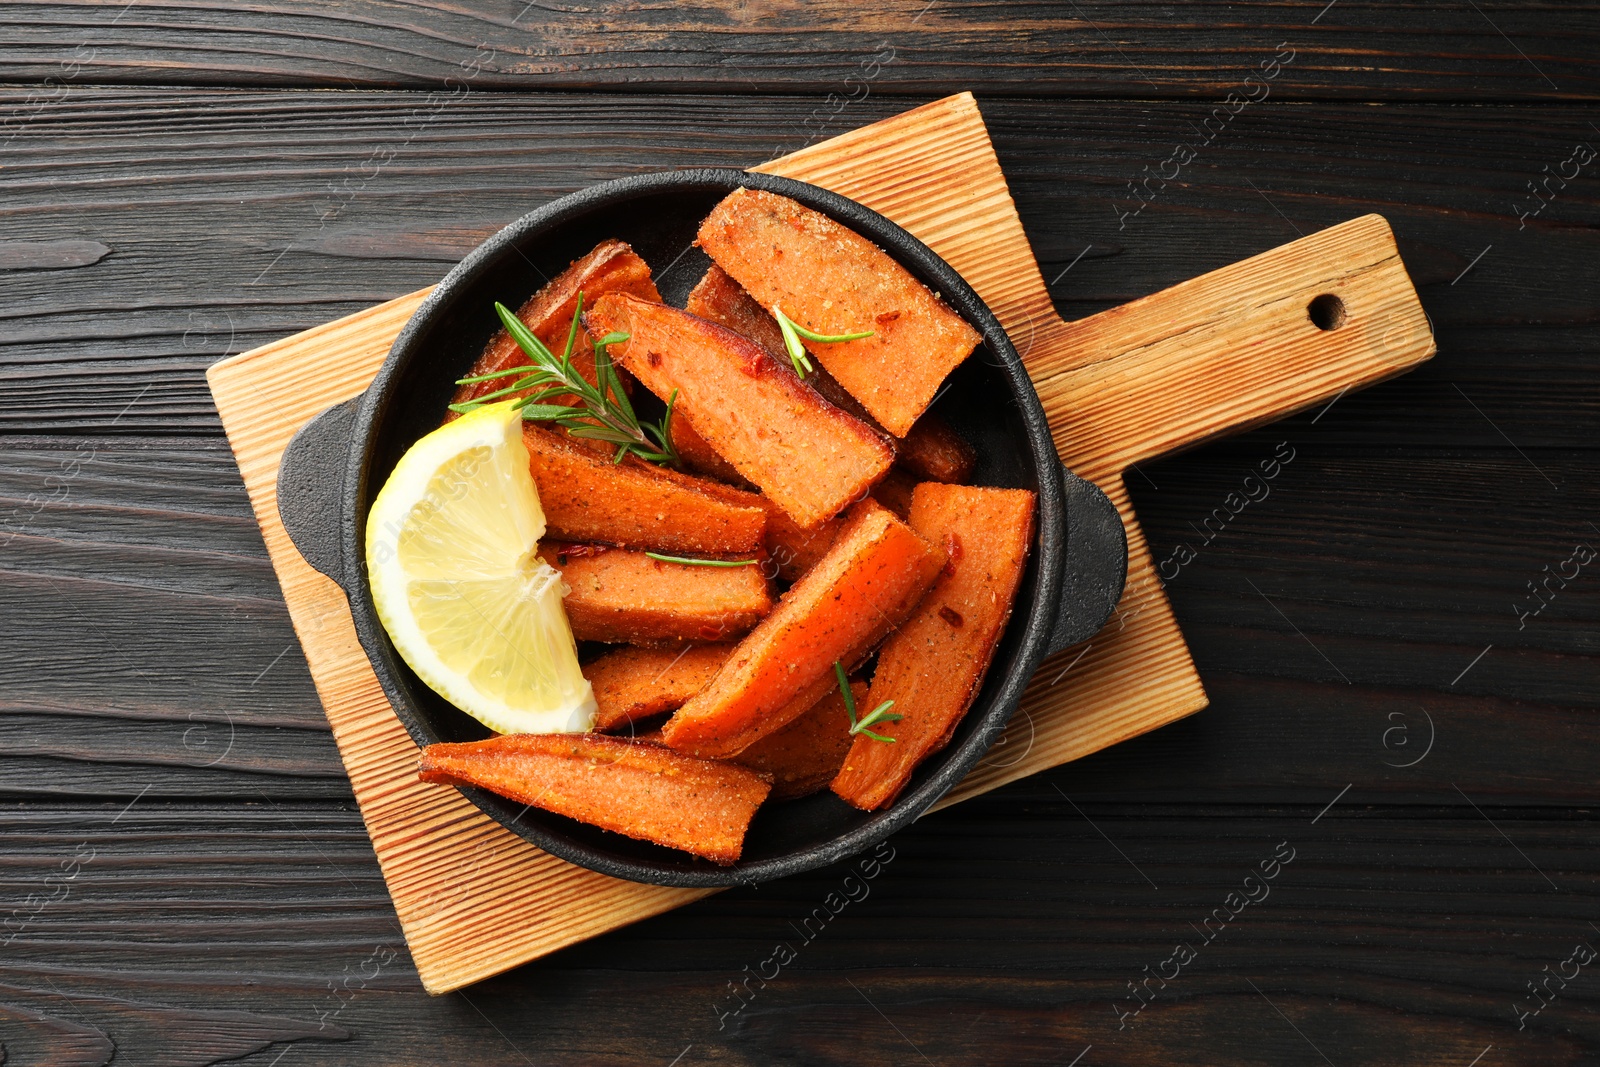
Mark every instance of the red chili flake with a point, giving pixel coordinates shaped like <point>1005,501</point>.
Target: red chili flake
<point>653,359</point>
<point>886,317</point>
<point>580,550</point>
<point>951,616</point>
<point>710,633</point>
<point>952,554</point>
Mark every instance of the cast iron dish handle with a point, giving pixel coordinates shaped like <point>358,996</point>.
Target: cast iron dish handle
<point>311,490</point>
<point>1096,567</point>
<point>311,487</point>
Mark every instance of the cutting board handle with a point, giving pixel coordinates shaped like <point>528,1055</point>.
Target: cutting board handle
<point>1247,344</point>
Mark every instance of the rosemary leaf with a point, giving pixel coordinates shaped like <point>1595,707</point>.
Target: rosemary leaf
<point>572,330</point>
<point>702,562</point>
<point>602,411</point>
<point>878,714</point>
<point>540,412</point>
<point>791,342</point>
<point>496,374</point>
<point>523,336</point>
<point>792,332</point>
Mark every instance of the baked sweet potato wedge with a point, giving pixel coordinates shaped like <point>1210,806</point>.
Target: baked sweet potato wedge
<point>808,456</point>
<point>635,683</point>
<point>722,300</point>
<point>587,497</point>
<point>871,579</point>
<point>931,450</point>
<point>700,457</point>
<point>644,791</point>
<point>621,596</point>
<point>803,757</point>
<point>829,279</point>
<point>935,453</point>
<point>933,666</point>
<point>894,492</point>
<point>793,548</point>
<point>611,267</point>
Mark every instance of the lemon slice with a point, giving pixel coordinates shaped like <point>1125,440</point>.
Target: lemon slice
<point>450,557</point>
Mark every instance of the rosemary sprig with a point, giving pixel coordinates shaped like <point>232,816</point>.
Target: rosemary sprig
<point>881,713</point>
<point>604,412</point>
<point>703,562</point>
<point>793,331</point>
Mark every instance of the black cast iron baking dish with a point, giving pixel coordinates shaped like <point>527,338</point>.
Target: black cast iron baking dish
<point>335,465</point>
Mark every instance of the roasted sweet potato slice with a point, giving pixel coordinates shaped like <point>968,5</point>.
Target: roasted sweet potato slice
<point>644,791</point>
<point>724,301</point>
<point>701,458</point>
<point>936,453</point>
<point>803,757</point>
<point>933,666</point>
<point>870,580</point>
<point>719,299</point>
<point>931,450</point>
<point>830,279</point>
<point>587,497</point>
<point>808,456</point>
<point>611,267</point>
<point>621,596</point>
<point>634,683</point>
<point>894,492</point>
<point>793,548</point>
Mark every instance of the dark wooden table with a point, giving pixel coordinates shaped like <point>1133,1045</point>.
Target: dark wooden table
<point>1399,642</point>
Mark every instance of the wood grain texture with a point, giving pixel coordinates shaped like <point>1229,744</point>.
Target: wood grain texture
<point>1423,583</point>
<point>1397,542</point>
<point>1396,936</point>
<point>219,246</point>
<point>1498,50</point>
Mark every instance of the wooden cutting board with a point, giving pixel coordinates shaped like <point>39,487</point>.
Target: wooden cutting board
<point>1226,351</point>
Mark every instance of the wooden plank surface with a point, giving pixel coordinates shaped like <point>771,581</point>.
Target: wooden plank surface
<point>220,245</point>
<point>1395,935</point>
<point>1424,586</point>
<point>832,51</point>
<point>1405,529</point>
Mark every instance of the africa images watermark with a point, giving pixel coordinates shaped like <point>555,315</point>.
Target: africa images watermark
<point>1253,488</point>
<point>58,488</point>
<point>1254,89</point>
<point>59,883</point>
<point>1254,890</point>
<point>1542,995</point>
<point>345,191</point>
<point>855,888</point>
<point>1541,596</point>
<point>857,87</point>
<point>1582,155</point>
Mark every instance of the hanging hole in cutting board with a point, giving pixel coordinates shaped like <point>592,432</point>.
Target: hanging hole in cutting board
<point>1326,311</point>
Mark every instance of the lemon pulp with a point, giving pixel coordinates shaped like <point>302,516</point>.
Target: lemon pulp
<point>450,558</point>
